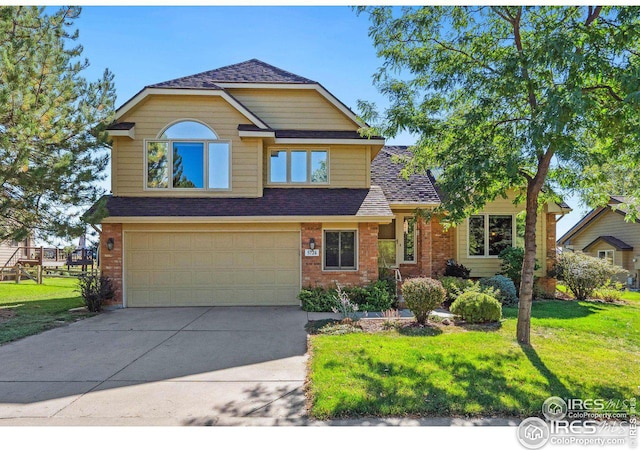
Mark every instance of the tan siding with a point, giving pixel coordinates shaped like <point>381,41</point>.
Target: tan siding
<point>294,109</point>
<point>610,223</point>
<point>154,114</point>
<point>349,165</point>
<point>489,266</point>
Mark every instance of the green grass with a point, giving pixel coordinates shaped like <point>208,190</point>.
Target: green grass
<point>579,349</point>
<point>35,308</point>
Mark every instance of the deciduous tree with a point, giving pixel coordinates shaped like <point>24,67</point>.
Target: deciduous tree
<point>531,99</point>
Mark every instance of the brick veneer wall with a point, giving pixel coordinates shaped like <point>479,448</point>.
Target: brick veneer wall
<point>312,273</point>
<point>434,247</point>
<point>441,248</point>
<point>111,260</point>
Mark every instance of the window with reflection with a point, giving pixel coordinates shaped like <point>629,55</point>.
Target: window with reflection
<point>340,250</point>
<point>298,166</point>
<point>188,155</point>
<point>490,234</point>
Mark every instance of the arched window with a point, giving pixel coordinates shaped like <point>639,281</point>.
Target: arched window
<point>188,155</point>
<point>188,129</point>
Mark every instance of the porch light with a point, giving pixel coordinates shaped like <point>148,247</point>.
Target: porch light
<point>312,243</point>
<point>110,244</point>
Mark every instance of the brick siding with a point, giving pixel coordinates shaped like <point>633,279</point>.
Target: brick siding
<point>111,260</point>
<point>312,273</point>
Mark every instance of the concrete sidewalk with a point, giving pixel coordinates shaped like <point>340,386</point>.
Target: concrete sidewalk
<point>159,366</point>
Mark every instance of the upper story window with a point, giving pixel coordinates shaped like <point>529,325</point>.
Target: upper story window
<point>298,166</point>
<point>188,155</point>
<point>489,234</point>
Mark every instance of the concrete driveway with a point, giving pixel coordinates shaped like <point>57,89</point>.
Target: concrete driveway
<point>160,366</point>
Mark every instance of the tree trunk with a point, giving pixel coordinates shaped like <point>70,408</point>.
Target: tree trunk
<point>528,266</point>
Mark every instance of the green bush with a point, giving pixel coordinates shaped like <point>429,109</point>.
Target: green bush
<point>372,297</point>
<point>476,307</point>
<point>423,295</point>
<point>318,299</point>
<point>582,274</point>
<point>610,292</point>
<point>511,266</point>
<point>95,290</point>
<point>454,287</point>
<point>505,289</point>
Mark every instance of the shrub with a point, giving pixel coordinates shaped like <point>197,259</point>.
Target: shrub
<point>582,274</point>
<point>453,269</point>
<point>95,290</point>
<point>423,295</point>
<point>454,287</point>
<point>511,265</point>
<point>505,289</point>
<point>317,299</point>
<point>373,297</point>
<point>476,307</point>
<point>610,292</point>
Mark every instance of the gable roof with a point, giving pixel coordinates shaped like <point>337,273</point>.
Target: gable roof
<point>613,241</point>
<point>274,202</point>
<point>420,188</point>
<point>252,71</point>
<point>593,215</point>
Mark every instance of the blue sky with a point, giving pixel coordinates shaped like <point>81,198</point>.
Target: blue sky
<point>329,44</point>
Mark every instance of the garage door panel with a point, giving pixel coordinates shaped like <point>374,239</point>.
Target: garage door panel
<point>212,268</point>
<point>182,258</point>
<point>140,242</point>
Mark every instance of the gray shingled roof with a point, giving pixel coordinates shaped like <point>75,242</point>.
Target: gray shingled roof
<point>252,71</point>
<point>617,243</point>
<point>419,188</point>
<point>274,202</point>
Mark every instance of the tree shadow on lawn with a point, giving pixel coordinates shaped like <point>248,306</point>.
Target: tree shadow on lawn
<point>456,385</point>
<point>559,309</point>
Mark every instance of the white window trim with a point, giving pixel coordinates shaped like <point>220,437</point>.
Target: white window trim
<point>613,255</point>
<point>486,234</point>
<point>288,151</point>
<point>170,142</point>
<point>400,218</point>
<point>356,249</point>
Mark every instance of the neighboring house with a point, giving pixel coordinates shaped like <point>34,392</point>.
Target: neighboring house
<point>240,185</point>
<point>9,248</point>
<point>604,233</point>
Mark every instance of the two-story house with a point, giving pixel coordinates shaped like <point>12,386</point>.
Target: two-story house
<point>240,185</point>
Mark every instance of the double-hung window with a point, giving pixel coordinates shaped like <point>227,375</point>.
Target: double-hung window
<point>188,155</point>
<point>291,166</point>
<point>340,251</point>
<point>489,234</point>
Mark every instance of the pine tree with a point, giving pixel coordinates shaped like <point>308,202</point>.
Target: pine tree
<point>52,124</point>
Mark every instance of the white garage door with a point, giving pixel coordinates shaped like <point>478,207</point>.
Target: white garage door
<point>212,268</point>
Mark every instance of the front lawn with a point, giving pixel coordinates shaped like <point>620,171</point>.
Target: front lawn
<point>579,349</point>
<point>28,308</point>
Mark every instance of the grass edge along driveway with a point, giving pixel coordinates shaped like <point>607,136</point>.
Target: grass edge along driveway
<point>579,350</point>
<point>28,308</point>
